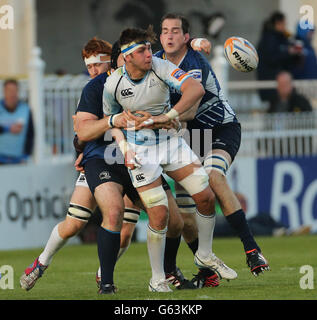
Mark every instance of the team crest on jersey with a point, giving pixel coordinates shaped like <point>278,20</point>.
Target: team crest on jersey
<point>104,175</point>
<point>178,74</point>
<point>196,74</point>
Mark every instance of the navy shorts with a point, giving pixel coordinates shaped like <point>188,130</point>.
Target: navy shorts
<point>226,137</point>
<point>97,172</point>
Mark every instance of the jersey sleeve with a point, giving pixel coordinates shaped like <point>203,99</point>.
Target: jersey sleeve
<point>90,100</point>
<point>110,104</point>
<point>173,76</point>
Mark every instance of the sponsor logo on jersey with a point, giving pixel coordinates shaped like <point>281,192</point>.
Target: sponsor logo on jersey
<point>140,177</point>
<point>195,73</point>
<point>127,93</point>
<point>179,74</point>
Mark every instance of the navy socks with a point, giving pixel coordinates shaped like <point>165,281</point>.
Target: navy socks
<point>240,225</point>
<point>171,248</point>
<point>108,248</point>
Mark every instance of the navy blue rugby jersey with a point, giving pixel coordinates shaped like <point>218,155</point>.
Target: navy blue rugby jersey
<point>91,101</point>
<point>214,109</point>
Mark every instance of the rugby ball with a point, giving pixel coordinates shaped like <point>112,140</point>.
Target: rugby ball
<point>241,54</point>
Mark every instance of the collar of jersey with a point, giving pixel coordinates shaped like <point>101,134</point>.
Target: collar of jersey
<point>164,57</point>
<point>128,77</point>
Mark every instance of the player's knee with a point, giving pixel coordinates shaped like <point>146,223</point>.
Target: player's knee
<point>114,216</point>
<point>70,227</point>
<point>205,201</point>
<point>196,182</point>
<point>154,197</point>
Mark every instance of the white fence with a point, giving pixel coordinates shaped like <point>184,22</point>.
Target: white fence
<point>244,97</point>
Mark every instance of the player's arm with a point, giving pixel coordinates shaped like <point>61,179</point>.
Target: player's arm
<point>190,113</point>
<point>192,92</point>
<point>199,44</point>
<point>130,158</point>
<point>112,110</point>
<point>89,126</point>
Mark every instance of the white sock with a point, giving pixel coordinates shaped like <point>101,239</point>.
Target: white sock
<point>54,243</point>
<point>156,246</point>
<point>206,226</point>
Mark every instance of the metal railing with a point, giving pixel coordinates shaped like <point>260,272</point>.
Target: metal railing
<point>278,135</point>
<point>61,96</point>
<point>244,97</point>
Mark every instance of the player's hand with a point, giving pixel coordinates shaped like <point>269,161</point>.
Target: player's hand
<point>161,119</point>
<point>120,120</point>
<point>77,164</point>
<point>134,121</point>
<point>131,160</point>
<point>201,44</point>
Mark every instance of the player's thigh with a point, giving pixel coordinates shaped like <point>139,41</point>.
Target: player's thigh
<point>227,137</point>
<point>82,196</point>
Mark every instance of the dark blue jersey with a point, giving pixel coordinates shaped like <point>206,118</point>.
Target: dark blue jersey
<point>214,109</point>
<point>91,101</point>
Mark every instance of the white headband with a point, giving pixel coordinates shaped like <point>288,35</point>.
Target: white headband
<point>132,46</point>
<point>99,58</point>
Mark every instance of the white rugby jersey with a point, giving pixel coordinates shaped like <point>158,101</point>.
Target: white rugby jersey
<point>151,94</point>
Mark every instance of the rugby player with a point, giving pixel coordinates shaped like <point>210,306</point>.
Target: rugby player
<point>214,113</point>
<point>142,84</point>
<point>96,55</point>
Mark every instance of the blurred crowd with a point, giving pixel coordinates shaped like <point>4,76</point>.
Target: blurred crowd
<point>16,126</point>
<point>284,56</point>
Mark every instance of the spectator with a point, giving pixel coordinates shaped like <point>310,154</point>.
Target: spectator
<point>307,69</point>
<point>261,225</point>
<point>276,52</point>
<point>16,126</point>
<point>286,98</point>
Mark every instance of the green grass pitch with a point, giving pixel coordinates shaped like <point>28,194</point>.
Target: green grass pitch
<point>71,276</point>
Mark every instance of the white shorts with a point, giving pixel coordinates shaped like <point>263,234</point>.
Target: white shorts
<point>81,181</point>
<point>165,156</point>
